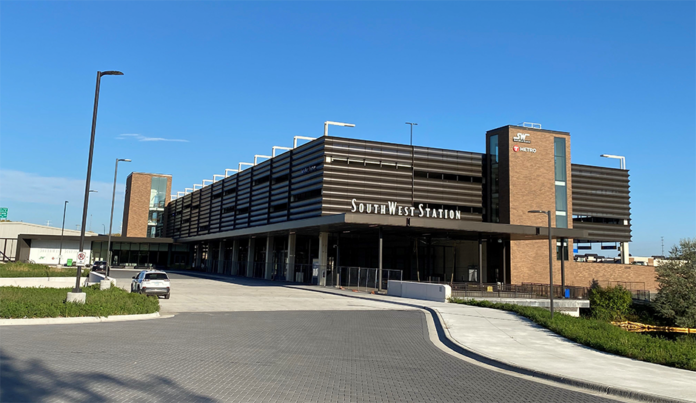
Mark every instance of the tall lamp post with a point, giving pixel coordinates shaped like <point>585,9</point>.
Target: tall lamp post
<point>62,229</point>
<point>548,213</point>
<point>89,176</point>
<point>624,245</point>
<point>327,123</point>
<point>111,220</point>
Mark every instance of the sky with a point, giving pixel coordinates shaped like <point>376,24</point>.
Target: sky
<point>209,84</point>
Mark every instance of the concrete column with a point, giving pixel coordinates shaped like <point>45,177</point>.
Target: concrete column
<point>235,257</point>
<point>250,258</point>
<point>292,241</point>
<point>323,257</point>
<point>480,259</point>
<point>199,254</point>
<point>221,258</point>
<point>625,256</point>
<point>269,258</point>
<point>379,270</point>
<point>209,258</point>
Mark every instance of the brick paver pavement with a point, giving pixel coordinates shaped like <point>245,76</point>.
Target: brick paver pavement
<point>319,356</point>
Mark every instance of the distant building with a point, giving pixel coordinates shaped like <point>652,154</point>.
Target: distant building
<point>10,232</point>
<point>146,197</point>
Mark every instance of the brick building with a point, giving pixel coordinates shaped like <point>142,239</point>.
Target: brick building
<point>143,210</point>
<point>433,214</point>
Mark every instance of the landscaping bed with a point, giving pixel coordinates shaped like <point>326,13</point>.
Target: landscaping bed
<point>19,269</point>
<point>18,302</point>
<point>603,336</point>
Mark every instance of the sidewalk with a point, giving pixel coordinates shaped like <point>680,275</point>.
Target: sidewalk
<point>513,340</point>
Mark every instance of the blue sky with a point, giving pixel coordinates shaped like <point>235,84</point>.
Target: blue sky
<point>232,79</point>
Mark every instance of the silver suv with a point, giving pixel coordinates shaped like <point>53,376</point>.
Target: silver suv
<point>151,282</point>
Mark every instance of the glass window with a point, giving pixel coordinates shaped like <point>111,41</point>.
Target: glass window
<point>559,152</point>
<point>561,220</point>
<point>558,250</point>
<point>561,198</point>
<point>158,191</point>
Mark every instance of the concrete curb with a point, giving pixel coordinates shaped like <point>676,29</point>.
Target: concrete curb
<point>78,320</point>
<point>447,340</point>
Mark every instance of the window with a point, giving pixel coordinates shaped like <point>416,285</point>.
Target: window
<point>217,195</point>
<point>230,191</point>
<point>243,210</point>
<point>310,194</point>
<point>281,178</point>
<point>262,180</point>
<point>565,250</point>
<point>559,155</point>
<point>494,178</point>
<point>279,207</point>
<point>158,191</point>
<point>447,177</point>
<point>227,210</point>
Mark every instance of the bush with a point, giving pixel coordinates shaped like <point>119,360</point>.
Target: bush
<point>18,302</point>
<point>676,297</point>
<point>610,303</point>
<point>600,335</point>
<point>19,269</point>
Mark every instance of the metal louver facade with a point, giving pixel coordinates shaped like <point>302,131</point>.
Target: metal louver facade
<point>322,177</point>
<point>601,202</point>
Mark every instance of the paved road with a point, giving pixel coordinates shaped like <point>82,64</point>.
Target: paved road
<point>323,356</point>
<point>200,293</point>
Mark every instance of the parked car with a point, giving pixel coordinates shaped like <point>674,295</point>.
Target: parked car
<point>151,282</point>
<point>99,266</point>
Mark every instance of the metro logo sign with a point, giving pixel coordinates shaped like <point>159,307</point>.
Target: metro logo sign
<point>523,149</point>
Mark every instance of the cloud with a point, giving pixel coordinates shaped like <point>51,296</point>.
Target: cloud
<point>140,137</point>
<point>27,187</point>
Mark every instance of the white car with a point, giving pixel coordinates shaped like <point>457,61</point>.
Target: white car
<point>151,282</point>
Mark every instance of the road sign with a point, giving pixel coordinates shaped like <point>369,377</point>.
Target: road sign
<point>81,256</point>
<point>3,213</point>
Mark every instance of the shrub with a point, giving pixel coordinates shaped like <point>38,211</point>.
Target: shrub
<point>600,335</point>
<point>610,303</point>
<point>20,269</point>
<point>18,302</point>
<point>676,297</point>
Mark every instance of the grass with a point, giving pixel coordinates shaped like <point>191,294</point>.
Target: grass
<point>19,269</point>
<point>603,336</point>
<point>18,302</point>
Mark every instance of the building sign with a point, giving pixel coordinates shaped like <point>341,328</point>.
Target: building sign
<point>523,149</point>
<point>521,138</point>
<point>308,169</point>
<point>391,208</point>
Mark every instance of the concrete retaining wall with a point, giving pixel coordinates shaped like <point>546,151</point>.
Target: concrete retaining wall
<point>567,306</point>
<point>430,292</point>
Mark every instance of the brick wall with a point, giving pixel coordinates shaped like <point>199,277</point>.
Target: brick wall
<point>582,274</point>
<point>137,205</point>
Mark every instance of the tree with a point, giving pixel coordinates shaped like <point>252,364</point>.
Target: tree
<point>676,297</point>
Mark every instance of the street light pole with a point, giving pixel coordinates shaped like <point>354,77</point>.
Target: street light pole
<point>111,220</point>
<point>62,229</point>
<point>89,171</point>
<point>548,213</point>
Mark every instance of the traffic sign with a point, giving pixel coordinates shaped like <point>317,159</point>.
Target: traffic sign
<point>81,256</point>
<point>3,213</point>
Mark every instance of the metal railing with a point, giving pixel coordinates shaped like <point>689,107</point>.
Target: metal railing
<point>361,278</point>
<point>524,290</point>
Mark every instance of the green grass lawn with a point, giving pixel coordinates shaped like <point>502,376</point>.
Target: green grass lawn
<point>18,302</point>
<point>18,269</point>
<point>603,336</point>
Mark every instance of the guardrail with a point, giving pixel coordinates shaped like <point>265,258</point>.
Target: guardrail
<point>524,290</point>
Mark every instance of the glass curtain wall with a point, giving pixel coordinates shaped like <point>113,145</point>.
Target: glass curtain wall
<point>495,180</point>
<point>158,192</point>
<point>559,153</point>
